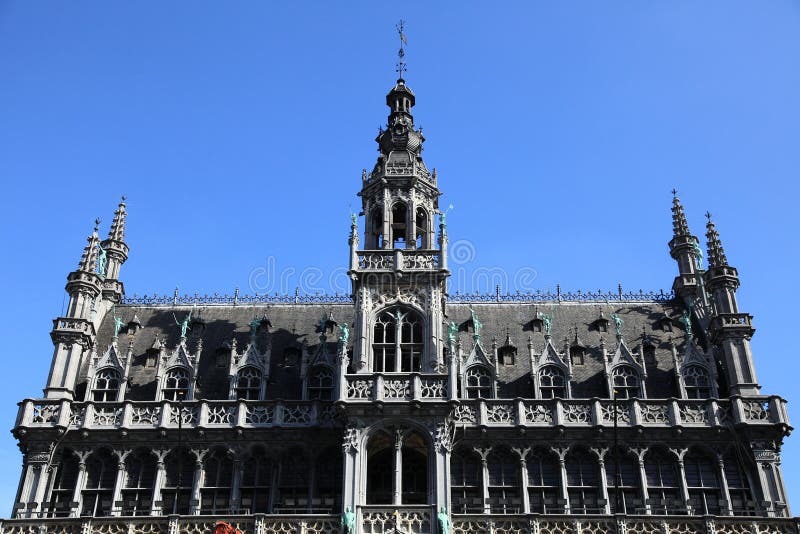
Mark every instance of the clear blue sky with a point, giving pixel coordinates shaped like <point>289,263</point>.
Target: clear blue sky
<point>239,131</point>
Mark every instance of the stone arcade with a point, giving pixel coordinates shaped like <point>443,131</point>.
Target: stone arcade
<point>544,413</point>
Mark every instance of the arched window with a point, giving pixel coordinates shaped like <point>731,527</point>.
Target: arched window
<point>398,343</point>
<point>177,488</point>
<point>422,229</point>
<point>399,213</point>
<point>544,481</point>
<point>382,460</point>
<point>662,483</point>
<point>256,482</point>
<point>626,479</point>
<point>552,383</point>
<point>582,483</point>
<point>738,486</point>
<point>465,482</point>
<point>626,381</point>
<point>98,491</point>
<point>702,482</point>
<point>327,482</point>
<point>697,382</point>
<point>215,495</point>
<point>64,484</point>
<point>176,384</point>
<point>248,384</point>
<point>293,483</point>
<point>140,472</point>
<point>320,383</point>
<point>375,239</point>
<point>479,382</point>
<point>504,483</point>
<point>106,386</point>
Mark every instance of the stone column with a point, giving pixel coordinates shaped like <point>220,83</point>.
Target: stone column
<point>724,491</point>
<point>197,484</point>
<point>351,479</point>
<point>643,480</point>
<point>397,487</point>
<point>443,446</point>
<point>604,485</point>
<point>236,483</point>
<point>158,482</point>
<point>119,483</point>
<point>77,495</point>
<point>682,481</point>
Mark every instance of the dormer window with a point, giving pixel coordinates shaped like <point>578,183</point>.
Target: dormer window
<point>176,385</point>
<point>248,384</point>
<point>552,384</point>
<point>320,384</point>
<point>697,382</point>
<point>649,353</point>
<point>291,357</point>
<point>479,383</point>
<point>507,355</point>
<point>106,386</point>
<point>626,381</point>
<point>577,355</point>
<point>537,325</point>
<point>665,324</point>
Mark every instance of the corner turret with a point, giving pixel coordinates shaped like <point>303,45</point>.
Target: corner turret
<point>116,253</point>
<point>685,250</point>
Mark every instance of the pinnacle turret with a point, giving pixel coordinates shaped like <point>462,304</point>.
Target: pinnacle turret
<point>685,249</point>
<point>680,227</point>
<point>88,261</point>
<point>716,254</point>
<point>117,231</point>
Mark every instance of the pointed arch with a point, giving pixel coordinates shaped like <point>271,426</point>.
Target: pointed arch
<point>422,229</point>
<point>697,382</point>
<point>405,449</point>
<point>177,384</point>
<point>399,224</point>
<point>140,474</point>
<point>98,489</point>
<point>583,479</point>
<point>107,382</point>
<point>504,481</point>
<point>626,478</point>
<point>215,495</point>
<point>178,480</point>
<point>257,481</point>
<point>702,481</point>
<point>479,382</point>
<point>398,340</point>
<point>249,382</point>
<point>326,494</point>
<point>740,490</point>
<point>626,381</point>
<point>64,483</point>
<point>663,476</point>
<point>466,481</point>
<point>544,481</point>
<point>320,383</point>
<point>552,382</point>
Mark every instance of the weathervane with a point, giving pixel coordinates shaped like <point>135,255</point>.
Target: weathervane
<point>401,54</point>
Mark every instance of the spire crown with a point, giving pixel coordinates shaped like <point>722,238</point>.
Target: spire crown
<point>117,230</point>
<point>716,253</point>
<point>680,227</point>
<point>88,262</point>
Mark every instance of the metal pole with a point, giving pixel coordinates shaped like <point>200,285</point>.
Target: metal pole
<point>617,473</point>
<point>179,453</point>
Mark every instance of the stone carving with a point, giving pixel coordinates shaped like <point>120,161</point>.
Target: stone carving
<point>538,413</point>
<point>352,435</point>
<point>443,437</point>
<point>465,414</point>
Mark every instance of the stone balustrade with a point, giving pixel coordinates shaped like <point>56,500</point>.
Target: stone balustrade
<point>398,260</point>
<point>411,521</point>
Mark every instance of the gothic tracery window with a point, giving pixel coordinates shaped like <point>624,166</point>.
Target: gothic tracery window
<point>741,497</point>
<point>106,386</point>
<point>662,482</point>
<point>327,491</point>
<point>248,383</point>
<point>479,382</point>
<point>256,482</point>
<point>176,384</point>
<point>544,481</point>
<point>626,382</point>
<point>293,483</point>
<point>398,343</point>
<point>215,495</point>
<point>66,477</point>
<point>320,383</point>
<point>98,490</point>
<point>407,453</point>
<point>697,382</point>
<point>504,483</point>
<point>626,478</point>
<point>140,472</point>
<point>177,490</point>
<point>552,383</point>
<point>466,482</point>
<point>702,482</point>
<point>582,482</point>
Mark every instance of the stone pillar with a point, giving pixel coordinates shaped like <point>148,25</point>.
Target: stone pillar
<point>523,478</point>
<point>236,483</point>
<point>33,484</point>
<point>397,487</point>
<point>562,464</point>
<point>63,370</point>
<point>682,481</point>
<point>119,483</point>
<point>604,485</point>
<point>158,483</point>
<point>352,477</point>
<point>724,491</point>
<point>197,483</point>
<point>643,481</point>
<point>77,495</point>
<point>443,446</point>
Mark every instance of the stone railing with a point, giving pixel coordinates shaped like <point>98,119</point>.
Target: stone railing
<point>398,260</point>
<point>164,414</point>
<point>374,520</point>
<point>629,413</point>
<point>397,387</point>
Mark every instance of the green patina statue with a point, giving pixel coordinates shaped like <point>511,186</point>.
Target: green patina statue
<point>344,333</point>
<point>183,324</point>
<point>452,333</point>
<point>102,261</point>
<point>686,319</point>
<point>254,324</point>
<point>618,322</point>
<point>547,322</point>
<point>476,324</point>
<point>698,255</point>
<point>118,324</point>
<point>349,521</point>
<point>444,521</point>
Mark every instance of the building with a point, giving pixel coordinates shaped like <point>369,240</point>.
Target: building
<point>590,413</point>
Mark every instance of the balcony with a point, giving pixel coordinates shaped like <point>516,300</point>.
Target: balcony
<point>398,260</point>
<point>409,521</point>
<point>397,387</point>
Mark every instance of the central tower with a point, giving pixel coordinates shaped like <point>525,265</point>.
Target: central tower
<point>399,276</point>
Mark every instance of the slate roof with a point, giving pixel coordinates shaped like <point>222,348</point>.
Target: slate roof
<point>292,325</point>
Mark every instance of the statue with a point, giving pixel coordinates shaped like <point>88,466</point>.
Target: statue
<point>117,326</point>
<point>349,521</point>
<point>323,323</point>
<point>547,322</point>
<point>102,261</point>
<point>476,324</point>
<point>618,322</point>
<point>686,319</point>
<point>452,333</point>
<point>254,324</point>
<point>353,221</point>
<point>444,521</point>
<point>698,255</point>
<point>344,333</point>
<point>183,324</point>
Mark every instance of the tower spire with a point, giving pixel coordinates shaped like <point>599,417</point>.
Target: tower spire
<point>116,251</point>
<point>117,231</point>
<point>680,227</point>
<point>88,262</point>
<point>716,254</point>
<point>684,249</point>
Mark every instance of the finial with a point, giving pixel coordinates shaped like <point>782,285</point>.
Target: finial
<point>96,224</point>
<point>674,193</point>
<point>680,227</point>
<point>117,230</point>
<point>716,254</point>
<point>401,54</point>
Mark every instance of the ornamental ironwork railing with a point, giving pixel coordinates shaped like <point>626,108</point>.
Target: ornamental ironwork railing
<point>548,296</point>
<point>411,521</point>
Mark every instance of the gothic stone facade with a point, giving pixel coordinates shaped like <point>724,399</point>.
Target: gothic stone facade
<point>547,413</point>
